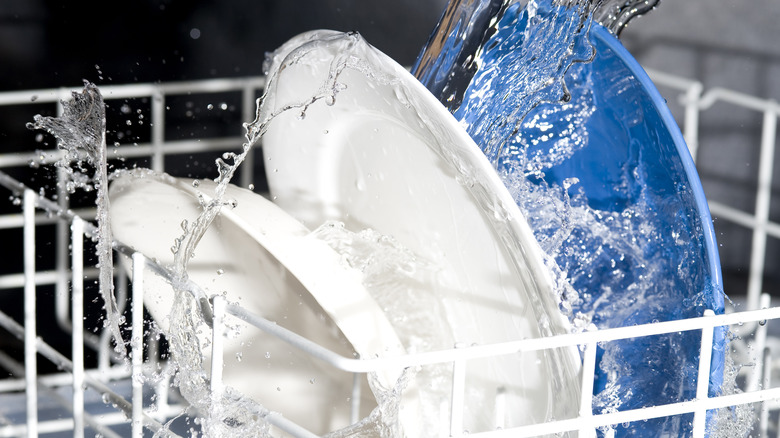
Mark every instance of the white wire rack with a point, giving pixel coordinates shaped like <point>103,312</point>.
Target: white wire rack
<point>130,414</point>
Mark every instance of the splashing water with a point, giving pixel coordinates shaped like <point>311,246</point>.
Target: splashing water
<point>81,133</point>
<point>399,281</point>
<point>615,14</point>
<point>535,72</point>
<point>231,413</point>
<point>534,43</point>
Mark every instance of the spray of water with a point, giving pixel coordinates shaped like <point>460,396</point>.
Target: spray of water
<point>399,281</point>
<point>81,133</point>
<point>229,413</point>
<point>616,14</point>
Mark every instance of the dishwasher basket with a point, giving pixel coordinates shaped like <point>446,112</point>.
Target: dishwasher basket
<point>62,377</point>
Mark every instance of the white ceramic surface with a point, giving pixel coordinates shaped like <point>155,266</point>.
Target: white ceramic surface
<point>266,261</point>
<point>384,154</point>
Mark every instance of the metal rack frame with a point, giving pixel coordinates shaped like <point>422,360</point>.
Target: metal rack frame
<point>72,226</point>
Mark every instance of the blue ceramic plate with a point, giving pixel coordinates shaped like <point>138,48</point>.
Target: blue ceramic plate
<point>636,166</point>
<point>607,184</point>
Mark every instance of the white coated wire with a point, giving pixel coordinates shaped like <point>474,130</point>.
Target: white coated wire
<point>71,275</point>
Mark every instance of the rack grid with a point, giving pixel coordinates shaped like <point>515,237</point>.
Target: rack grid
<point>30,210</point>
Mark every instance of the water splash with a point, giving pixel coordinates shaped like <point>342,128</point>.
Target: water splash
<point>81,132</point>
<point>231,413</point>
<point>456,62</point>
<point>521,61</point>
<point>399,281</point>
<point>616,14</point>
<point>228,414</point>
<point>448,61</point>
<point>531,66</point>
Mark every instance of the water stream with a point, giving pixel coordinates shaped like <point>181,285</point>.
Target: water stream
<point>81,132</point>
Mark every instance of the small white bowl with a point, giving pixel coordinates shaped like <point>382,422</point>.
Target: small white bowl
<point>264,260</point>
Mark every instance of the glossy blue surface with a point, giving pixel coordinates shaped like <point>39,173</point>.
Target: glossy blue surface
<point>614,195</point>
<point>632,128</point>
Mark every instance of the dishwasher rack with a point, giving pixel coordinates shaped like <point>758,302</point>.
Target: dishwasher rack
<point>118,402</point>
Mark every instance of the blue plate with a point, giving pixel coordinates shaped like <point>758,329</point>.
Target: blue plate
<point>636,159</point>
<point>637,242</point>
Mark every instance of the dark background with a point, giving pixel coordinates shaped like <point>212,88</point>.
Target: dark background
<point>54,43</point>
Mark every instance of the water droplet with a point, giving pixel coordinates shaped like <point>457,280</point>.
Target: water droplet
<point>312,380</point>
<point>195,33</point>
<point>33,98</point>
<point>239,356</point>
<point>220,271</point>
<point>223,106</point>
<point>195,183</point>
<point>762,322</point>
<point>267,354</point>
<point>209,107</point>
<point>251,186</point>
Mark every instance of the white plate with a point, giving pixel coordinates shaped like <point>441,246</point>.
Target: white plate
<point>267,262</point>
<point>386,155</point>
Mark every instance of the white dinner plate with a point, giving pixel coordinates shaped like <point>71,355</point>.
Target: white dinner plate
<point>383,153</point>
